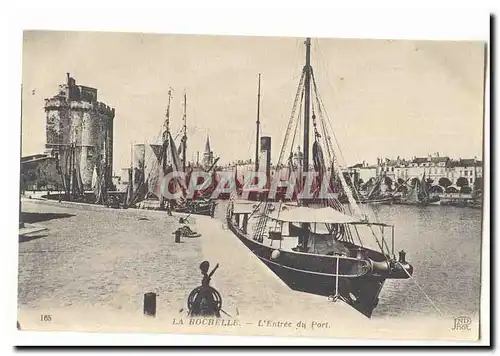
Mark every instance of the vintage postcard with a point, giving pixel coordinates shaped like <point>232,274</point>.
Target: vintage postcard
<point>232,185</point>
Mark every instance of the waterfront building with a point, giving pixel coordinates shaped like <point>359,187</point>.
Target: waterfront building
<point>441,170</point>
<point>362,172</point>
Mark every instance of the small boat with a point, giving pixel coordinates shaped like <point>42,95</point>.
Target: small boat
<point>376,195</point>
<point>202,207</point>
<point>382,200</point>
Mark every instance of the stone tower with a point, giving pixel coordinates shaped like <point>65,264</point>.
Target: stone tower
<point>75,117</point>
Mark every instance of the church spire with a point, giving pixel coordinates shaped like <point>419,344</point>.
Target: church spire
<point>208,155</point>
<point>207,146</point>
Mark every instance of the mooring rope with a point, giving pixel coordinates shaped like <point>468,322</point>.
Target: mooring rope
<point>422,290</point>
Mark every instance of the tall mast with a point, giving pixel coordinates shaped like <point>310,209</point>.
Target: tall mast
<point>131,155</point>
<point>257,133</point>
<point>474,187</point>
<point>167,120</point>
<point>184,138</point>
<point>307,99</point>
<point>131,169</point>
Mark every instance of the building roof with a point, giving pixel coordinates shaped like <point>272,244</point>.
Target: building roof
<point>420,160</point>
<point>357,165</point>
<point>33,157</point>
<point>417,160</point>
<point>467,162</point>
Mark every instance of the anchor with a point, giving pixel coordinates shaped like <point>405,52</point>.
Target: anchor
<point>205,300</point>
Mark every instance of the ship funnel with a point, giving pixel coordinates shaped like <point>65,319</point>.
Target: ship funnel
<point>265,153</point>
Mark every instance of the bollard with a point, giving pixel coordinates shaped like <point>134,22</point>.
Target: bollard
<point>177,236</point>
<point>150,304</point>
<point>402,256</point>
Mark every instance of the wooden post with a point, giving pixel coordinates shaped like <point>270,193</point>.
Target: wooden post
<point>150,304</point>
<point>177,236</point>
<point>245,223</point>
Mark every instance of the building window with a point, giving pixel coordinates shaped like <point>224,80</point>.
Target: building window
<point>466,173</point>
<point>471,180</point>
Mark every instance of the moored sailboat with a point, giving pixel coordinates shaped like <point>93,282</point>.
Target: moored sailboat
<point>319,249</point>
<point>164,183</point>
<point>418,194</point>
<point>376,195</point>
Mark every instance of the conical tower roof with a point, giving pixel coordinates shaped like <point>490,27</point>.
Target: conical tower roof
<point>207,146</point>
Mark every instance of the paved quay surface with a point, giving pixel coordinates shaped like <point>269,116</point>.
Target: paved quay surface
<point>90,269</point>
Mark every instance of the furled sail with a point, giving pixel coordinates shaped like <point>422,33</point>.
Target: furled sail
<point>319,166</point>
<point>96,182</point>
<point>423,188</point>
<point>413,194</point>
<point>129,196</point>
<point>170,163</point>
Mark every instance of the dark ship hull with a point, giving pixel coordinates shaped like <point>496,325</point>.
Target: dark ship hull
<point>360,281</point>
<point>423,202</point>
<point>385,200</point>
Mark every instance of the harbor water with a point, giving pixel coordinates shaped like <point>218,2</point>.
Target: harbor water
<point>443,243</point>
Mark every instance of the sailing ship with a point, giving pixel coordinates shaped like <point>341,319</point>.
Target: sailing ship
<point>419,194</point>
<point>378,194</point>
<point>319,249</point>
<point>151,193</point>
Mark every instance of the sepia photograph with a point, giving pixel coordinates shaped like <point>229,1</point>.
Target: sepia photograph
<point>279,186</point>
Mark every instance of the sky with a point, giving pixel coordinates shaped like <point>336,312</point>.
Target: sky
<point>385,98</point>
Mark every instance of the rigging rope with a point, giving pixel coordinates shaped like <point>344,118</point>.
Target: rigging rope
<point>422,290</point>
<point>341,176</point>
<point>297,125</point>
<point>331,155</point>
<point>290,121</point>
